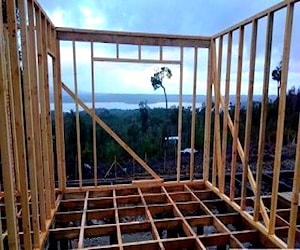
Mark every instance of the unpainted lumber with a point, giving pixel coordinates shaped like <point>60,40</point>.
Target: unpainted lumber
<point>193,123</point>
<point>249,113</point>
<point>6,150</point>
<point>263,114</point>
<point>237,112</point>
<point>58,116</point>
<point>38,215</point>
<point>179,131</point>
<point>207,135</point>
<point>217,88</point>
<point>77,115</point>
<point>225,107</point>
<point>117,37</point>
<point>295,196</point>
<point>93,117</point>
<point>281,113</point>
<point>43,66</point>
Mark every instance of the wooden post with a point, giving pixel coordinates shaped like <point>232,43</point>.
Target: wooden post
<point>192,159</point>
<point>249,113</point>
<point>43,68</point>
<point>225,107</point>
<point>180,116</point>
<point>93,117</point>
<point>59,122</point>
<point>281,113</point>
<point>1,230</point>
<point>6,142</point>
<point>160,53</point>
<point>218,154</point>
<point>263,115</point>
<point>213,80</point>
<point>49,174</point>
<point>50,129</point>
<point>42,118</point>
<point>206,157</point>
<point>38,217</point>
<point>214,164</point>
<point>295,197</point>
<point>77,116</point>
<point>16,108</point>
<point>237,112</point>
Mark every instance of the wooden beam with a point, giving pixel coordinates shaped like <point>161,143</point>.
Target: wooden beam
<point>132,60</point>
<point>14,121</point>
<point>250,175</point>
<point>185,225</point>
<point>257,16</point>
<point>281,113</point>
<point>207,134</point>
<point>225,107</point>
<point>77,116</point>
<point>44,113</point>
<point>20,160</point>
<point>2,235</point>
<point>83,221</point>
<point>217,88</point>
<point>237,112</point>
<point>150,218</point>
<point>295,196</point>
<point>112,134</point>
<point>38,215</point>
<point>117,221</point>
<point>161,53</point>
<point>263,115</point>
<point>5,141</point>
<point>38,6</point>
<point>213,80</point>
<point>148,184</point>
<point>93,117</point>
<point>59,120</point>
<point>49,173</point>
<point>117,37</point>
<point>40,168</point>
<point>50,128</point>
<point>193,125</point>
<point>180,116</point>
<point>249,113</point>
<point>273,238</point>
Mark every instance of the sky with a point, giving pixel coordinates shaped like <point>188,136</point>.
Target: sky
<point>189,17</point>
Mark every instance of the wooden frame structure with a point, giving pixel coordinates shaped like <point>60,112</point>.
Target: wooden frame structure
<point>37,212</point>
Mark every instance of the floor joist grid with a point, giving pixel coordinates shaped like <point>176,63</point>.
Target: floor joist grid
<point>171,216</point>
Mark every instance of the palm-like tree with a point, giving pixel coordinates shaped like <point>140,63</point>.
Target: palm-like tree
<point>157,80</point>
<point>276,76</point>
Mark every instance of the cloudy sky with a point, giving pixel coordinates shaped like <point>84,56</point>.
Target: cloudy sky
<point>185,17</point>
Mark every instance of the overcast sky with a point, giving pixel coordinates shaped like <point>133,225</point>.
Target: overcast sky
<point>185,17</point>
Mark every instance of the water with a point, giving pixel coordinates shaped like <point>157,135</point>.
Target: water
<point>122,105</point>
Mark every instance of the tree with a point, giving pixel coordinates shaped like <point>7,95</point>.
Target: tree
<point>276,76</point>
<point>144,115</point>
<point>157,80</point>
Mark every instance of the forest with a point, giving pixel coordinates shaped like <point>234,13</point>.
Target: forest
<point>145,130</point>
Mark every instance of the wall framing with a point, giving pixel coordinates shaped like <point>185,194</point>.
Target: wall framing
<point>37,208</point>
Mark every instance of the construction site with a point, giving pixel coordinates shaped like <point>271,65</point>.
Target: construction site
<point>211,206</point>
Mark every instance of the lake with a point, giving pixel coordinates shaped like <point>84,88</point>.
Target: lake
<point>122,105</point>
